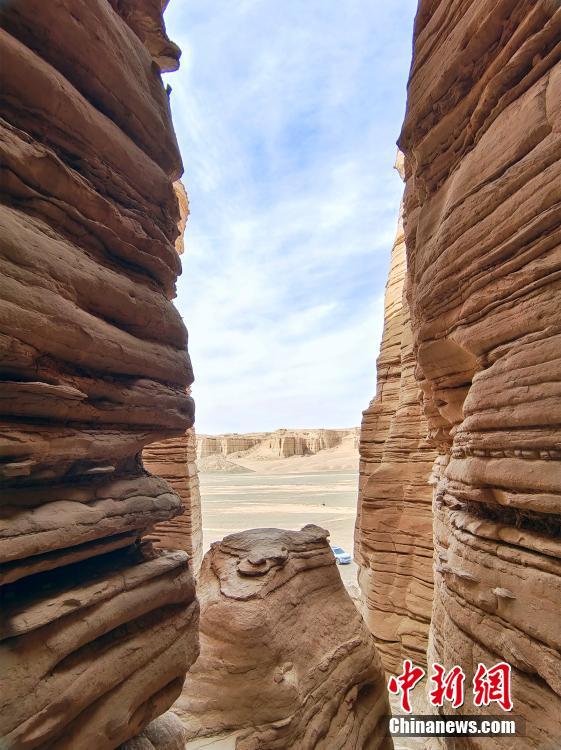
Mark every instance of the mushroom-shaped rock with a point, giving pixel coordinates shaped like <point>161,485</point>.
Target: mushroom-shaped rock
<point>285,655</point>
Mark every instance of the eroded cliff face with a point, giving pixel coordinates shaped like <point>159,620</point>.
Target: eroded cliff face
<point>98,630</point>
<point>285,656</point>
<point>175,460</point>
<point>482,139</point>
<point>394,522</point>
<point>278,444</point>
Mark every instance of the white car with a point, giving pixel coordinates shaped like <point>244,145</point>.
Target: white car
<point>342,557</point>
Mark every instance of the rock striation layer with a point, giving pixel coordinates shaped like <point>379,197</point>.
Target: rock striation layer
<point>482,141</point>
<point>98,630</point>
<point>285,655</point>
<point>393,536</point>
<point>175,460</point>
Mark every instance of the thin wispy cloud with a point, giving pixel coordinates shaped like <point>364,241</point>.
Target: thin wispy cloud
<point>287,116</point>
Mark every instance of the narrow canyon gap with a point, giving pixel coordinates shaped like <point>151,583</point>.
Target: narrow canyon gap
<point>458,532</point>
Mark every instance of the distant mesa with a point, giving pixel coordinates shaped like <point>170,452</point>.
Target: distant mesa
<point>281,450</point>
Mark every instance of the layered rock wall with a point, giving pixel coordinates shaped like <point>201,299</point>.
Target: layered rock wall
<point>285,656</point>
<point>223,445</point>
<point>482,139</point>
<point>278,444</point>
<point>393,536</point>
<point>175,460</point>
<point>98,631</point>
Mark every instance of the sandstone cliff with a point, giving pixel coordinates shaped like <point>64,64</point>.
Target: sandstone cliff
<point>285,655</point>
<point>267,451</point>
<point>482,140</point>
<point>175,460</point>
<point>98,631</point>
<point>279,452</point>
<point>278,444</point>
<point>393,536</point>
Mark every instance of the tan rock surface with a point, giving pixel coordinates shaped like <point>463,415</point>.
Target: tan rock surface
<point>393,537</point>
<point>175,461</point>
<point>482,140</point>
<point>164,733</point>
<point>212,445</point>
<point>285,655</point>
<point>96,634</point>
<point>145,19</point>
<point>377,417</point>
<point>92,654</point>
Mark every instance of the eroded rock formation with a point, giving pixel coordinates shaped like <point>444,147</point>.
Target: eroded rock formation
<point>278,444</point>
<point>394,521</point>
<point>164,733</point>
<point>482,139</point>
<point>285,655</point>
<point>97,630</point>
<point>211,445</point>
<point>175,460</point>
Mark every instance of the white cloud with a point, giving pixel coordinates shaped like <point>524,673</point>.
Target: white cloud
<point>287,116</point>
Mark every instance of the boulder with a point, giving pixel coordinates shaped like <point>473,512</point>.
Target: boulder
<point>285,655</point>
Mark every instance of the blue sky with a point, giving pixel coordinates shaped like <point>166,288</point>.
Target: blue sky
<point>287,116</point>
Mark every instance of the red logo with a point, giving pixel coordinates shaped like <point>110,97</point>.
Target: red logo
<point>489,685</point>
<point>405,682</point>
<point>493,685</point>
<point>449,686</point>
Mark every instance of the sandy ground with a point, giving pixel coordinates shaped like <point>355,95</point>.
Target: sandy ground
<point>233,502</point>
<point>220,742</point>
